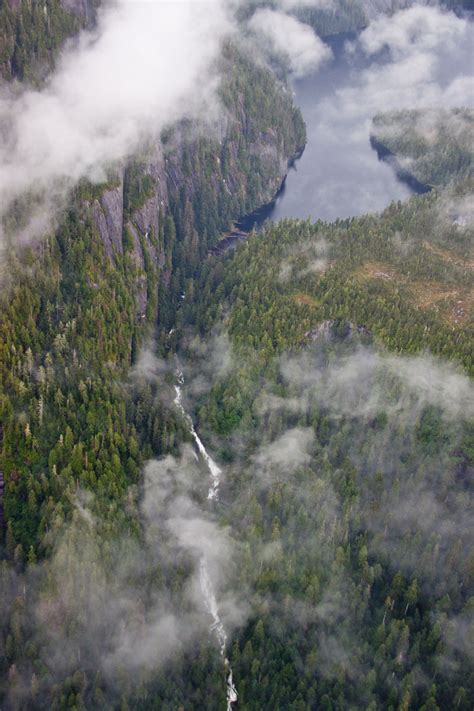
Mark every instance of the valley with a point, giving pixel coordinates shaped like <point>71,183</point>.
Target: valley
<point>236,399</point>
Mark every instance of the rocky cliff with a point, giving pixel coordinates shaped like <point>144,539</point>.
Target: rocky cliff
<point>170,204</point>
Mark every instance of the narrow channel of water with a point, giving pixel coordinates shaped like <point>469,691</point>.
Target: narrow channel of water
<point>217,628</point>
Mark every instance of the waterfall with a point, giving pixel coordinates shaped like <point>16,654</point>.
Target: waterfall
<point>217,628</point>
<point>214,470</point>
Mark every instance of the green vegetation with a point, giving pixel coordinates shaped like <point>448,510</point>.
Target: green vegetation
<point>334,452</point>
<point>405,276</point>
<point>62,408</point>
<point>70,423</point>
<point>338,404</point>
<point>63,355</point>
<point>347,607</point>
<point>31,35</point>
<point>212,182</point>
<point>76,426</point>
<point>435,146</point>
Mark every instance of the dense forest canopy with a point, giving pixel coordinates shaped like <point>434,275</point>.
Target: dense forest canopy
<point>435,146</point>
<point>318,376</point>
<point>348,448</point>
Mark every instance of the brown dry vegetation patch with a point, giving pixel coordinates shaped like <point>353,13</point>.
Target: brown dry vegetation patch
<point>454,305</point>
<point>449,257</point>
<point>377,270</point>
<point>305,300</point>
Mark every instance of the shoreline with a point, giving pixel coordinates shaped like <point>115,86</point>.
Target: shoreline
<point>245,224</point>
<point>404,176</point>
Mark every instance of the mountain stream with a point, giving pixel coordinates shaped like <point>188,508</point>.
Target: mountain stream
<point>217,628</point>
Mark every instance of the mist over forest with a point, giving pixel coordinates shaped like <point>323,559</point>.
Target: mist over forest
<point>236,355</point>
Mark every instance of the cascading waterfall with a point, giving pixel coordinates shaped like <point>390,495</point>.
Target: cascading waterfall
<point>215,471</point>
<point>217,628</point>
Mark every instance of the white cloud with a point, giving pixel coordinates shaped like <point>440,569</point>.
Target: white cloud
<point>430,61</point>
<point>294,40</point>
<point>147,64</point>
<point>427,65</point>
<point>352,386</point>
<point>416,29</point>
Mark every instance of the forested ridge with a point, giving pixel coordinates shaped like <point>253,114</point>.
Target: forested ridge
<point>398,276</point>
<point>435,146</point>
<point>328,367</point>
<point>33,33</point>
<point>78,417</point>
<point>325,471</point>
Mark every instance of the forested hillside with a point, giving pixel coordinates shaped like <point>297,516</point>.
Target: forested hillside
<point>121,261</point>
<point>32,34</point>
<point>76,310</point>
<point>327,367</point>
<point>349,454</point>
<point>436,147</point>
<point>396,277</point>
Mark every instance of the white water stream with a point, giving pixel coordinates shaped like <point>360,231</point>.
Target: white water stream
<point>215,472</point>
<point>217,628</point>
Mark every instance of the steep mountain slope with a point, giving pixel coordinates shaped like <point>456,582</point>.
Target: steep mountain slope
<point>202,183</point>
<point>130,247</point>
<point>313,360</point>
<point>76,307</point>
<point>32,34</point>
<point>348,454</point>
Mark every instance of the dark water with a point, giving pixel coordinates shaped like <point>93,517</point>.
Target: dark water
<point>339,174</point>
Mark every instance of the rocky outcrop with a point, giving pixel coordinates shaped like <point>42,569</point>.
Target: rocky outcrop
<point>202,183</point>
<point>329,330</point>
<point>107,212</point>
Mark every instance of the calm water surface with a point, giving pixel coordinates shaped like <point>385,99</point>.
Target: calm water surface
<point>339,175</point>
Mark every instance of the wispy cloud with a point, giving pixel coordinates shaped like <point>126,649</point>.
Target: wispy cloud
<point>111,91</point>
<point>290,39</point>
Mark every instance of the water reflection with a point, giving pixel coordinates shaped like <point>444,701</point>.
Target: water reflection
<point>339,174</point>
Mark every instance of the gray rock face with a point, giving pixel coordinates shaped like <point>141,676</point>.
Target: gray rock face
<point>141,282</point>
<point>146,218</point>
<point>173,183</point>
<point>204,179</point>
<point>108,217</point>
